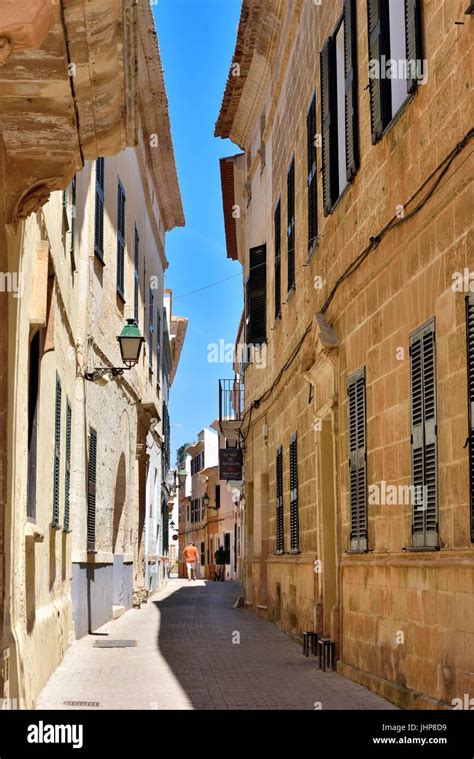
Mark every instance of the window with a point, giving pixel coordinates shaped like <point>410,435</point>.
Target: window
<point>280,538</point>
<point>256,296</point>
<point>290,186</point>
<point>91,490</point>
<point>203,558</point>
<point>73,222</point>
<point>57,453</point>
<point>33,399</point>
<point>227,547</point>
<point>158,335</point>
<point>67,481</point>
<point>339,113</point>
<point>312,176</point>
<point>136,274</point>
<point>151,328</point>
<point>395,53</point>
<point>424,437</point>
<point>470,386</point>
<point>99,209</point>
<point>166,433</point>
<point>120,240</point>
<point>261,150</point>
<point>294,510</point>
<point>218,496</point>
<point>358,462</point>
<point>277,234</point>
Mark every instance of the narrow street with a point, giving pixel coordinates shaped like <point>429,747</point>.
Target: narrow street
<point>185,658</point>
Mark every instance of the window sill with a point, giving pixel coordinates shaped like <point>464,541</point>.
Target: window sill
<point>289,294</point>
<point>421,549</point>
<point>398,114</point>
<point>312,250</point>
<point>341,196</point>
<point>121,296</point>
<point>33,532</point>
<point>99,257</point>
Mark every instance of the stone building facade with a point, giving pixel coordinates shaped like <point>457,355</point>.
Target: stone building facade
<point>88,191</point>
<point>350,212</point>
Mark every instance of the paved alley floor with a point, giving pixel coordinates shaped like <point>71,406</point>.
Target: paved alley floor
<point>187,657</point>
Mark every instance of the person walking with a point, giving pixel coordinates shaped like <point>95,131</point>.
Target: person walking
<point>191,556</point>
<point>220,557</point>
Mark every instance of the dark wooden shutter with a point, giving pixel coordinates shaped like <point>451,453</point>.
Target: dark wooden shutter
<point>67,481</point>
<point>91,489</point>
<point>380,87</point>
<point>358,461</point>
<point>312,175</point>
<point>291,225</point>
<point>218,496</point>
<point>277,233</point>
<point>99,208</point>
<point>350,96</point>
<point>151,327</point>
<point>136,274</point>
<point>257,296</point>
<point>294,509</point>
<point>57,453</point>
<point>73,222</point>
<point>424,437</point>
<point>413,40</point>
<point>329,124</point>
<point>280,533</point>
<point>470,386</point>
<point>120,240</point>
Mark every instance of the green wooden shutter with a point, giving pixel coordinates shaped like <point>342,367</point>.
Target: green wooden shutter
<point>99,208</point>
<point>350,76</point>
<point>358,461</point>
<point>277,284</point>
<point>91,490</point>
<point>67,481</point>
<point>470,385</point>
<point>380,87</point>
<point>312,175</point>
<point>291,225</point>
<point>413,40</point>
<point>294,508</point>
<point>280,533</point>
<point>329,124</point>
<point>256,296</point>
<point>424,437</point>
<point>120,240</point>
<point>136,274</point>
<point>57,453</point>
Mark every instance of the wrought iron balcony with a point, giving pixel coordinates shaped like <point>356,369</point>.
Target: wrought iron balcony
<point>231,400</point>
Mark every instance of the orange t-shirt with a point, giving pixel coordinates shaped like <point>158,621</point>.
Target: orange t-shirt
<point>191,554</point>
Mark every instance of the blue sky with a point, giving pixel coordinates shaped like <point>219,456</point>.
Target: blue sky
<point>197,39</point>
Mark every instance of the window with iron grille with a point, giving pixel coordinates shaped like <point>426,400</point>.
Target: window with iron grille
<point>280,535</point>
<point>67,481</point>
<point>470,385</point>
<point>358,461</point>
<point>57,453</point>
<point>277,235</point>
<point>120,240</point>
<point>294,507</point>
<point>312,176</point>
<point>136,274</point>
<point>91,489</point>
<point>424,437</point>
<point>99,208</point>
<point>291,225</point>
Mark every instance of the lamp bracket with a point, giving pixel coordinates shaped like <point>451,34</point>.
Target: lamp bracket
<point>101,371</point>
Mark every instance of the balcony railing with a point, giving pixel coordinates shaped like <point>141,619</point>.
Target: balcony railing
<point>231,400</point>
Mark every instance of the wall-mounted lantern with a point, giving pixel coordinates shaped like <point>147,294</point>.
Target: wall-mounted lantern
<point>130,341</point>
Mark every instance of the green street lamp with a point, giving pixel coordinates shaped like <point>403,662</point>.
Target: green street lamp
<point>130,341</point>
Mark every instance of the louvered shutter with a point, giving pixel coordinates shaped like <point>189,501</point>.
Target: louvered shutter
<point>412,40</point>
<point>73,222</point>
<point>256,296</point>
<point>291,225</point>
<point>99,208</point>
<point>312,175</point>
<point>136,274</point>
<point>358,462</point>
<point>294,509</point>
<point>280,535</point>
<point>67,481</point>
<point>424,437</point>
<point>151,327</point>
<point>91,490</point>
<point>277,232</point>
<point>120,240</point>
<point>380,87</point>
<point>329,124</point>
<point>350,96</point>
<point>470,385</point>
<point>57,453</point>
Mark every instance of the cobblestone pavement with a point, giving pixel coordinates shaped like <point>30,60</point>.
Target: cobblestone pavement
<point>185,658</point>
